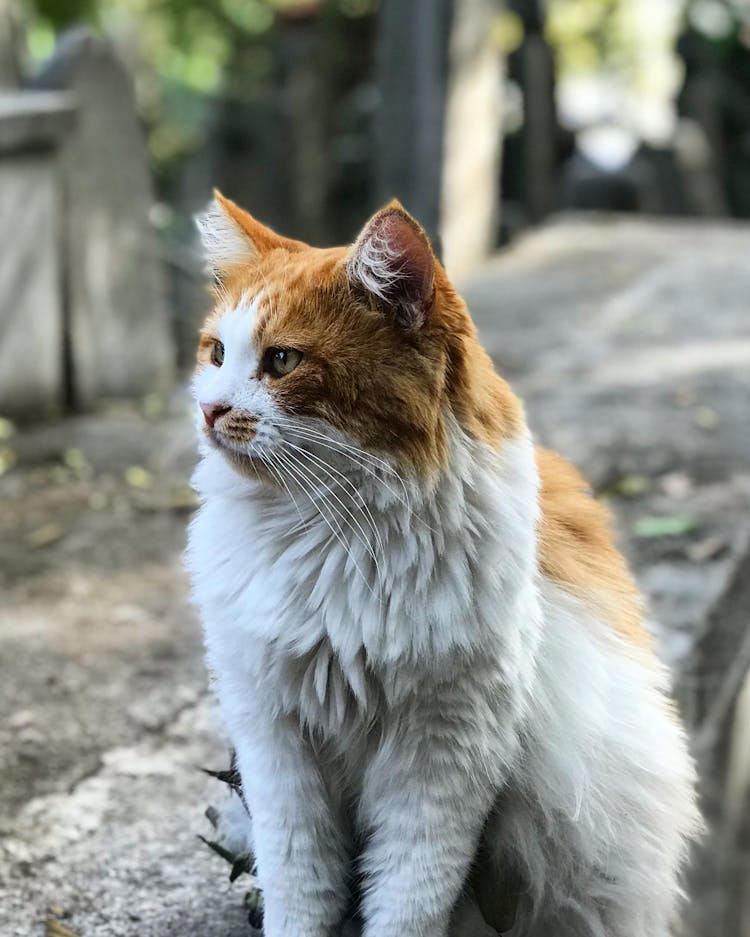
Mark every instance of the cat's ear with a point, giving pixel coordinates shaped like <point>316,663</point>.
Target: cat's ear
<point>231,236</point>
<point>392,259</point>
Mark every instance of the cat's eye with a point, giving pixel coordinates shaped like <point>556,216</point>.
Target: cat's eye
<point>281,361</point>
<point>217,354</point>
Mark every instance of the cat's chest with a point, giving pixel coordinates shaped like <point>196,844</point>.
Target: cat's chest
<point>329,622</point>
<point>265,576</point>
<point>333,699</point>
<point>319,627</point>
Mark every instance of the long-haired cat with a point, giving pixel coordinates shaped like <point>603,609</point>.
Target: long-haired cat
<point>429,655</point>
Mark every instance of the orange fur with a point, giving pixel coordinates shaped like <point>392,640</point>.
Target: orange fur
<point>577,549</point>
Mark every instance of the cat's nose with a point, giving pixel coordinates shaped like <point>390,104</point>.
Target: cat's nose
<point>212,411</point>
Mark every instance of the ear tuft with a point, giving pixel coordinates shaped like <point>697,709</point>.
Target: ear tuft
<point>225,241</point>
<point>392,259</point>
<point>232,236</point>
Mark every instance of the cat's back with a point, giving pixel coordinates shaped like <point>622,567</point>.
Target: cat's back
<point>577,550</point>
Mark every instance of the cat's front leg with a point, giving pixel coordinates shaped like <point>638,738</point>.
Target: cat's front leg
<point>424,803</point>
<point>298,838</point>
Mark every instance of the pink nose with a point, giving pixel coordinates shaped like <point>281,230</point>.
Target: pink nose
<point>212,411</point>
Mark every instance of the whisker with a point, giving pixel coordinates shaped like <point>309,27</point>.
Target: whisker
<point>357,456</point>
<point>297,470</point>
<point>363,538</point>
<point>276,469</point>
<point>336,446</point>
<point>330,469</point>
<point>305,474</point>
<point>362,453</point>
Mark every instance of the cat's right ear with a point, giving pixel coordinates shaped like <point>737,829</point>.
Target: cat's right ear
<point>231,236</point>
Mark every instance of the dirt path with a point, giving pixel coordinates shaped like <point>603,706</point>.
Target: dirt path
<point>104,710</point>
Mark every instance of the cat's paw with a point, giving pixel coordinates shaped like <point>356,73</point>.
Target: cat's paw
<point>231,823</point>
<point>231,837</point>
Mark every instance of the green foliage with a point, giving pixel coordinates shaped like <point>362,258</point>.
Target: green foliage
<point>596,35</point>
<point>61,13</point>
<point>676,525</point>
<point>589,34</point>
<point>185,51</point>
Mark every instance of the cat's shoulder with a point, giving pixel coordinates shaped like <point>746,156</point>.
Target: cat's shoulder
<point>577,548</point>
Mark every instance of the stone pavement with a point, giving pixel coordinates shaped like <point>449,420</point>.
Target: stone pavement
<point>630,343</point>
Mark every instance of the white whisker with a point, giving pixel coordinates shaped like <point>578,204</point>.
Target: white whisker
<point>360,457</point>
<point>347,481</point>
<point>355,455</point>
<point>276,470</point>
<point>305,474</point>
<point>346,447</point>
<point>362,535</point>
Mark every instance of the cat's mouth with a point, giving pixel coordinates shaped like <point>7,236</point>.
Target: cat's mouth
<point>245,456</point>
<point>237,446</point>
<point>234,430</point>
<point>234,443</point>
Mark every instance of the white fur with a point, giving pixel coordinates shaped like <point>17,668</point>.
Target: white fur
<point>230,383</point>
<point>224,242</point>
<point>376,264</point>
<point>395,690</point>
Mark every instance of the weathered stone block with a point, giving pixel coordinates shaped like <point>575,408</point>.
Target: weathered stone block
<point>119,332</point>
<point>31,308</point>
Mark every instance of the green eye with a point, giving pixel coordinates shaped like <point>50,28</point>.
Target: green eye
<point>217,354</point>
<point>281,361</point>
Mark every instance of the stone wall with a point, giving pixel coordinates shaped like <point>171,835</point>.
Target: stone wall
<point>82,296</point>
<point>120,343</point>
<point>32,336</point>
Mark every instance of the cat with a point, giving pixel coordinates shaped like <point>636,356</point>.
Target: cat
<point>428,654</point>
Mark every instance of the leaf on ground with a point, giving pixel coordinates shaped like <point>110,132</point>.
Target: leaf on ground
<point>138,477</point>
<point>674,525</point>
<point>632,486</point>
<point>705,418</point>
<point>44,535</point>
<point>8,459</point>
<point>241,864</point>
<point>55,928</point>
<point>75,459</point>
<point>7,429</point>
<point>183,498</point>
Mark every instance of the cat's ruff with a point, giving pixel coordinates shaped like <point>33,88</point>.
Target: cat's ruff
<point>425,692</point>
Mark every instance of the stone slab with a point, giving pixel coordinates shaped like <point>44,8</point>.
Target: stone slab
<point>120,338</point>
<point>31,311</point>
<point>32,120</point>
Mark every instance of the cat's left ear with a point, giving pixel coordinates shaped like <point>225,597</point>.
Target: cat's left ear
<point>231,236</point>
<point>392,259</point>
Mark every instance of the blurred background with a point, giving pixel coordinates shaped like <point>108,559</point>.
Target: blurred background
<point>583,167</point>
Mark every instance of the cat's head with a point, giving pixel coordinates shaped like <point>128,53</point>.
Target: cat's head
<point>368,344</point>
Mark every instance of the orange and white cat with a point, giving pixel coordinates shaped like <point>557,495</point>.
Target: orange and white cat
<point>428,653</point>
